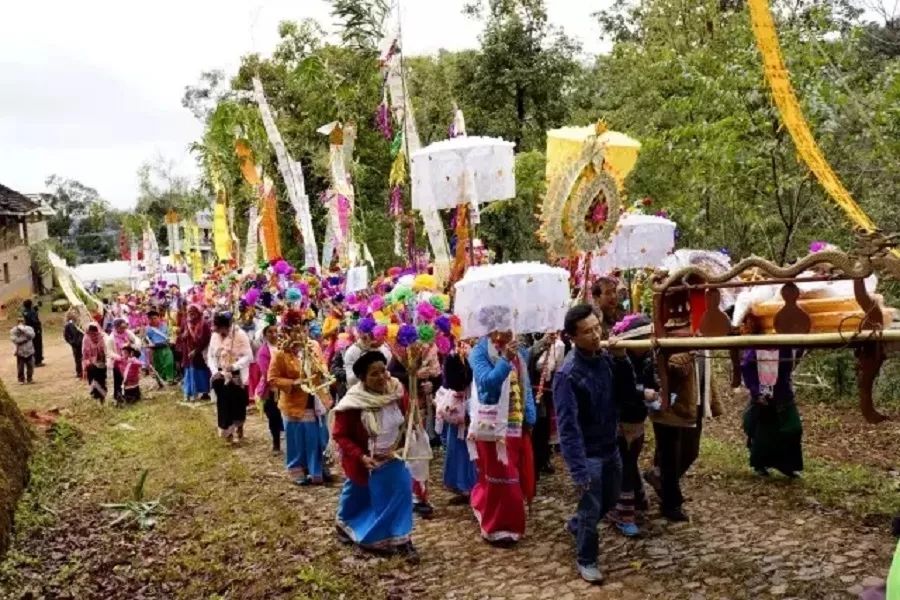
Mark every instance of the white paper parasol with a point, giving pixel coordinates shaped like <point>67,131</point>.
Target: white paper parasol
<point>638,242</point>
<point>518,297</point>
<point>463,170</point>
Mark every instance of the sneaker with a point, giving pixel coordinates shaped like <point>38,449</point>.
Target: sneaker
<point>302,481</point>
<point>423,509</point>
<point>590,573</point>
<point>628,529</point>
<point>676,515</point>
<point>761,471</point>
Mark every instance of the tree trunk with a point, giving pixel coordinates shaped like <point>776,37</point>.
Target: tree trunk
<point>520,116</point>
<point>15,448</point>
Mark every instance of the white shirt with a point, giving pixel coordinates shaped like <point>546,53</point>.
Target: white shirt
<point>352,354</point>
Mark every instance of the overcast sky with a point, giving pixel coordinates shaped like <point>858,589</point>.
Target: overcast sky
<point>92,88</point>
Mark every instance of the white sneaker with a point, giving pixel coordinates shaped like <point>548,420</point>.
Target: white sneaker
<point>590,573</point>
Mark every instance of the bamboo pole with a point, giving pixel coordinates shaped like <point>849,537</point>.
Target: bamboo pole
<point>763,341</point>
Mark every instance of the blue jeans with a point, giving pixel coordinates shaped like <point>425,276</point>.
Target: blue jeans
<point>596,501</point>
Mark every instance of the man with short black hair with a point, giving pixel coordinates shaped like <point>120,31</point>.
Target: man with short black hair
<point>605,297</point>
<point>584,392</point>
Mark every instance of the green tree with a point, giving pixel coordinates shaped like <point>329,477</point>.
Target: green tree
<point>162,189</point>
<point>510,227</point>
<point>685,78</point>
<point>71,200</point>
<point>522,78</point>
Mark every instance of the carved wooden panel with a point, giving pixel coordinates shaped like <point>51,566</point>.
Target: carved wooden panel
<point>714,323</point>
<point>792,318</point>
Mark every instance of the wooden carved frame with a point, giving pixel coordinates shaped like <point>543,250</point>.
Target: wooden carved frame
<point>673,292</point>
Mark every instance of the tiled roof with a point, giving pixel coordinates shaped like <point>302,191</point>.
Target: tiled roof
<point>12,202</point>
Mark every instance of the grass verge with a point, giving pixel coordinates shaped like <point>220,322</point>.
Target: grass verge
<point>224,531</point>
<point>860,490</point>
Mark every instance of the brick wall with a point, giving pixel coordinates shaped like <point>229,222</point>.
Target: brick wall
<point>15,273</point>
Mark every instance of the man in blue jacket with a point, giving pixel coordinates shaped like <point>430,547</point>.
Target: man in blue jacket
<point>585,391</point>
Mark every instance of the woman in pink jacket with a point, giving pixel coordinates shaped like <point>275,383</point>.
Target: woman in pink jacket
<point>266,394</point>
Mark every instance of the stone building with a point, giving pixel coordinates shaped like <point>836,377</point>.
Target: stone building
<point>22,223</point>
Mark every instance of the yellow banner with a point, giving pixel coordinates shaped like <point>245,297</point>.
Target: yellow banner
<point>196,258</point>
<point>221,233</point>
<point>792,115</point>
<point>269,223</point>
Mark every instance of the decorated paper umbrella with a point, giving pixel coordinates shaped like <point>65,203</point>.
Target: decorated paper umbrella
<point>463,170</point>
<point>586,171</point>
<point>519,297</point>
<point>638,242</point>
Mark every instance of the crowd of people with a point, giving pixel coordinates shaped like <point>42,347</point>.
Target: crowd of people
<point>332,376</point>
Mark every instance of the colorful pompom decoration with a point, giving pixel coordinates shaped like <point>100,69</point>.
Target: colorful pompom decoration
<point>426,333</point>
<point>424,283</point>
<point>366,325</point>
<point>443,324</point>
<point>407,336</point>
<point>444,344</point>
<point>426,312</point>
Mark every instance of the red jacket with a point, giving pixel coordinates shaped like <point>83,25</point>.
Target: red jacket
<point>352,438</point>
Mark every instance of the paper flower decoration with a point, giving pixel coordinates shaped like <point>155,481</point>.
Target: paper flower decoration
<point>402,294</point>
<point>440,302</point>
<point>282,268</point>
<point>381,318</point>
<point>315,330</point>
<point>818,246</point>
<point>376,304</point>
<point>380,332</point>
<point>366,325</point>
<point>426,333</point>
<point>392,331</point>
<point>293,295</point>
<point>443,324</point>
<point>252,296</point>
<point>444,345</point>
<point>407,336</point>
<point>426,312</point>
<point>456,327</point>
<point>424,283</point>
<point>330,326</point>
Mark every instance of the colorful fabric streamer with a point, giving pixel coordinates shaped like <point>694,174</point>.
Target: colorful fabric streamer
<point>792,114</point>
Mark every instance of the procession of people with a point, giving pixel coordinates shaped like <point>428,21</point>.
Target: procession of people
<point>365,383</point>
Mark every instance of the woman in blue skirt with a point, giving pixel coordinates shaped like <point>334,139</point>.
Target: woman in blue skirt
<point>375,510</point>
<point>459,468</point>
<point>193,342</point>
